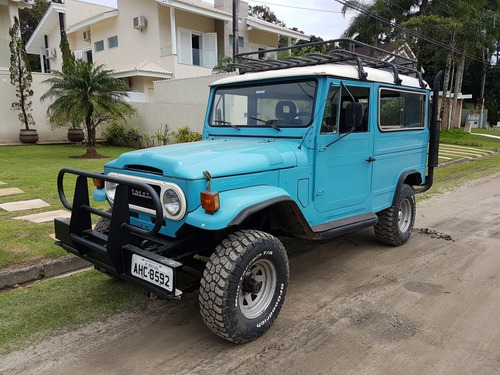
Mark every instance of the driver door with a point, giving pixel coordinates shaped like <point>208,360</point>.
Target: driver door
<point>343,157</point>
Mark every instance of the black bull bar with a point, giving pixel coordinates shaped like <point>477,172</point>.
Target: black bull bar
<point>111,253</point>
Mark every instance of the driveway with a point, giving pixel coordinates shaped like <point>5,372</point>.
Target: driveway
<point>354,306</point>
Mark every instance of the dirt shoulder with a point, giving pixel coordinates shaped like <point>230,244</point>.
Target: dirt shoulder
<point>353,306</point>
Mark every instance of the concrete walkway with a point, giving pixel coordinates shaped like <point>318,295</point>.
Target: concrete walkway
<point>487,135</point>
<point>37,271</point>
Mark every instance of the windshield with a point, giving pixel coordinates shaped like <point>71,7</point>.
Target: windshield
<point>276,105</point>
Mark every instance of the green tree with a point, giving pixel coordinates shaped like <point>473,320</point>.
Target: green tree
<point>263,12</point>
<point>20,76</point>
<point>68,58</point>
<point>29,18</point>
<point>442,33</point>
<point>87,93</point>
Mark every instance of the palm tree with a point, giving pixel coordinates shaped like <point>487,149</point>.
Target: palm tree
<point>86,93</point>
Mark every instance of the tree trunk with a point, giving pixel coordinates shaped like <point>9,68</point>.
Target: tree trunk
<point>446,83</point>
<point>458,87</point>
<point>450,102</point>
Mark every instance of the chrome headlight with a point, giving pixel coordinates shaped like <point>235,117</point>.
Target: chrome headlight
<point>110,190</point>
<point>172,202</point>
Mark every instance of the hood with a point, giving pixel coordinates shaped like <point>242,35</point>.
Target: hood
<point>219,157</point>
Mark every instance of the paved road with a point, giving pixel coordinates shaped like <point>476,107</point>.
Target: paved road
<point>353,307</point>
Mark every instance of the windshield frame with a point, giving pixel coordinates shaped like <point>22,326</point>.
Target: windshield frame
<point>302,94</point>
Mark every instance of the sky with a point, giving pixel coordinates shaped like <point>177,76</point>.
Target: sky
<point>314,17</point>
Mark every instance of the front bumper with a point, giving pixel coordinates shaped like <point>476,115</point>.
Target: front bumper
<point>114,252</point>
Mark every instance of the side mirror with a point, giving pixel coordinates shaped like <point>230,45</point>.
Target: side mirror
<point>353,115</point>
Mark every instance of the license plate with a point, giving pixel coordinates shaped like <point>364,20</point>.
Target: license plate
<point>153,272</point>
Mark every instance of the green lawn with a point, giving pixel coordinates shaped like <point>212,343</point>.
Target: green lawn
<point>34,170</point>
<point>26,313</point>
<point>460,138</point>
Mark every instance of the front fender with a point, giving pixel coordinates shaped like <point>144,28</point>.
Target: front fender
<point>236,206</point>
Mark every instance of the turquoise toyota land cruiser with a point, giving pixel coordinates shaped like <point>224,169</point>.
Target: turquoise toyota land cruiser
<point>312,147</point>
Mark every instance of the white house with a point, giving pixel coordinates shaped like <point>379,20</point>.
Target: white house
<point>8,9</point>
<point>154,45</point>
<point>151,40</point>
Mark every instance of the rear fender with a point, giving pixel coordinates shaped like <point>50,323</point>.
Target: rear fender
<point>236,206</point>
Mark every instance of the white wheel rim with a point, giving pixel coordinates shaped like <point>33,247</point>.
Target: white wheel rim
<point>254,303</point>
<point>404,215</point>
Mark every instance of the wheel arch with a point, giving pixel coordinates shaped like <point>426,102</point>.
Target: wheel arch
<point>282,215</point>
<point>250,207</point>
<point>411,178</point>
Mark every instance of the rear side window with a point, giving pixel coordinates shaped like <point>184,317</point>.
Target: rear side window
<point>401,110</point>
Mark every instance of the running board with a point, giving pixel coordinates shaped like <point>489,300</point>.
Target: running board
<point>343,226</point>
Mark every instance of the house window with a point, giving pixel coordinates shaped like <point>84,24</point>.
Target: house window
<point>88,56</point>
<point>261,55</point>
<point>113,42</point>
<point>241,41</point>
<point>85,55</point>
<point>196,48</point>
<point>99,45</point>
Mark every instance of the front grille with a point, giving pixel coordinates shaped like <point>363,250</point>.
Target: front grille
<point>141,198</point>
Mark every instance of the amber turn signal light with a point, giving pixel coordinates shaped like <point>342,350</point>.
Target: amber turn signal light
<point>210,201</point>
<point>98,183</point>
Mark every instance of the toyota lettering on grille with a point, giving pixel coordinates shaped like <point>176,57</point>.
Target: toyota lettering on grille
<point>140,193</point>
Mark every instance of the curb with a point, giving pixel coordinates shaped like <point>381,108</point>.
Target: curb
<point>51,268</point>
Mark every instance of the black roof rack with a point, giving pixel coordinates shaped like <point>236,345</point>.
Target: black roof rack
<point>346,51</point>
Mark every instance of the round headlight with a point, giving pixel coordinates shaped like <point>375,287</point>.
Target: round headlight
<point>172,202</point>
<point>110,190</point>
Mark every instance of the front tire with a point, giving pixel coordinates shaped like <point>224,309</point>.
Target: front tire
<point>395,223</point>
<point>244,285</point>
<point>102,225</point>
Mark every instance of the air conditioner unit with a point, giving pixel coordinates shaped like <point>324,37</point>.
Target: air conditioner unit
<point>50,53</point>
<point>140,23</point>
<point>86,35</point>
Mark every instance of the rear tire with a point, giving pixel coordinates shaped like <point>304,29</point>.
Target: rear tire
<point>244,285</point>
<point>395,223</point>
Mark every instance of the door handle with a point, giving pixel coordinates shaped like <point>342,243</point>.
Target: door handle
<point>370,159</point>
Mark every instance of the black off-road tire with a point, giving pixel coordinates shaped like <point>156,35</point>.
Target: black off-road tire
<point>395,223</point>
<point>244,285</point>
<point>102,225</point>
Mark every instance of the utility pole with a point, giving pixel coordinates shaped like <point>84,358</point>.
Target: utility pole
<point>485,55</point>
<point>235,28</point>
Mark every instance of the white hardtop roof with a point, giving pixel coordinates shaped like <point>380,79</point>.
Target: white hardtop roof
<point>334,70</point>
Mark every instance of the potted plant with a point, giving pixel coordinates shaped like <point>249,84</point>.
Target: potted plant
<point>20,78</point>
<point>75,131</point>
<point>76,135</point>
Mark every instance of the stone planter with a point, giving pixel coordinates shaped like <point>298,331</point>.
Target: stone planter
<point>76,135</point>
<point>28,135</point>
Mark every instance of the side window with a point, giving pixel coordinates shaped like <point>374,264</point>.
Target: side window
<point>331,114</point>
<point>401,110</point>
<point>355,94</point>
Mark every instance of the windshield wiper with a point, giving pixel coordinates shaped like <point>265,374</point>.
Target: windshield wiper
<point>271,123</point>
<point>226,123</point>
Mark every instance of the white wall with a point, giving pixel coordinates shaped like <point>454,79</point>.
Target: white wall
<point>10,124</point>
<point>177,103</point>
